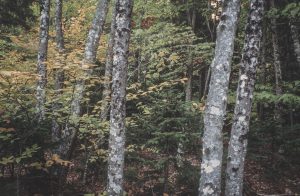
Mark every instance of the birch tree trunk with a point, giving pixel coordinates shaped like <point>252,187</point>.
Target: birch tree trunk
<point>238,140</point>
<point>118,100</point>
<point>90,54</point>
<point>296,42</point>
<point>210,181</point>
<point>42,58</point>
<point>108,69</point>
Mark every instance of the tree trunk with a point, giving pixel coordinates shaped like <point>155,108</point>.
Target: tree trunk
<point>238,141</point>
<point>207,80</point>
<point>189,75</point>
<point>108,69</point>
<point>296,42</point>
<point>277,64</point>
<point>58,72</point>
<point>90,54</point>
<point>118,97</point>
<point>58,25</point>
<point>42,58</point>
<point>210,181</point>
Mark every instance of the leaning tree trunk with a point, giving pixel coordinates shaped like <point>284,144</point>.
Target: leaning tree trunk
<point>58,72</point>
<point>210,181</point>
<point>277,64</point>
<point>296,42</point>
<point>108,69</point>
<point>90,54</point>
<point>238,140</point>
<point>42,58</point>
<point>118,100</point>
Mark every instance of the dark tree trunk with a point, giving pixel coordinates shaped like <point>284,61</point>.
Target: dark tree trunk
<point>277,64</point>
<point>118,100</point>
<point>108,69</point>
<point>238,141</point>
<point>58,25</point>
<point>58,72</point>
<point>42,58</point>
<point>215,110</point>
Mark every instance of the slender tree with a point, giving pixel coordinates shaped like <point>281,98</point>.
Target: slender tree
<point>108,69</point>
<point>277,63</point>
<point>58,72</point>
<point>90,54</point>
<point>238,140</point>
<point>42,58</point>
<point>58,25</point>
<point>118,100</point>
<point>210,181</point>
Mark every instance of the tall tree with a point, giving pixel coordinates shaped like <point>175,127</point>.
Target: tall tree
<point>58,25</point>
<point>108,68</point>
<point>210,181</point>
<point>58,72</point>
<point>90,55</point>
<point>238,140</point>
<point>118,100</point>
<point>277,62</point>
<point>42,58</point>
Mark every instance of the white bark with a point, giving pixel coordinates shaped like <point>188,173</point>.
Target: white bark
<point>118,97</point>
<point>210,181</point>
<point>42,58</point>
<point>238,141</point>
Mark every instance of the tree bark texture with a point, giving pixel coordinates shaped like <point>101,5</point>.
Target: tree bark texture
<point>58,25</point>
<point>210,181</point>
<point>42,58</point>
<point>118,100</point>
<point>95,32</point>
<point>296,42</point>
<point>108,69</point>
<point>238,140</point>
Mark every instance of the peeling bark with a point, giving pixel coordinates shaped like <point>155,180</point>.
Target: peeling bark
<point>296,42</point>
<point>118,97</point>
<point>42,58</point>
<point>238,141</point>
<point>210,181</point>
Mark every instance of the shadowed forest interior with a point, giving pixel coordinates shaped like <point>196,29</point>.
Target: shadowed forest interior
<point>149,97</point>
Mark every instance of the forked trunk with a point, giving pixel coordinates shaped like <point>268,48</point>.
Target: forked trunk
<point>238,141</point>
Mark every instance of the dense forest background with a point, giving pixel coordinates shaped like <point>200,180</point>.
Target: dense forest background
<point>63,150</point>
